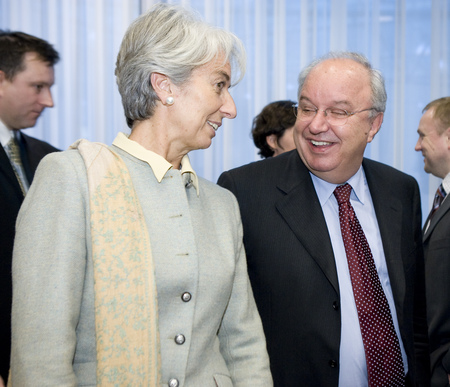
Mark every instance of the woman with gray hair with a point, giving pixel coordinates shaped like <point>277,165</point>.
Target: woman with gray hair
<point>129,269</point>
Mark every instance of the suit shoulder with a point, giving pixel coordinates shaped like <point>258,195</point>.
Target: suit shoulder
<point>67,159</point>
<point>271,165</point>
<point>37,145</point>
<point>386,172</point>
<point>213,190</point>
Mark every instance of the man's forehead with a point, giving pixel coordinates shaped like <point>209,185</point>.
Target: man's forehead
<point>340,68</point>
<point>34,58</point>
<point>34,71</point>
<point>339,81</point>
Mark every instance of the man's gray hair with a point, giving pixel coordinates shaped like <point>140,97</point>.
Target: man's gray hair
<point>379,95</point>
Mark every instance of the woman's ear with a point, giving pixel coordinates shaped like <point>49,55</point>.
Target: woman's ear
<point>162,86</point>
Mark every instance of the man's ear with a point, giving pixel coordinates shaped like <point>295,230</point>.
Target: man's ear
<point>162,86</point>
<point>2,81</point>
<point>375,126</point>
<point>447,134</point>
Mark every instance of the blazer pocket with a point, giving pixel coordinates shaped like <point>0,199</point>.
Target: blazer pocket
<point>223,380</point>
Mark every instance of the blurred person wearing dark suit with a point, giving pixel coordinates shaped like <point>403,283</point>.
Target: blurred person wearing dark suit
<point>434,143</point>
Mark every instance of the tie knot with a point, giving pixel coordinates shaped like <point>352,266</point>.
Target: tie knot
<point>342,193</point>
<point>12,142</point>
<point>14,151</point>
<point>438,198</point>
<point>441,191</point>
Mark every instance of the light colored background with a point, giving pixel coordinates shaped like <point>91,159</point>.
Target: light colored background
<point>406,39</point>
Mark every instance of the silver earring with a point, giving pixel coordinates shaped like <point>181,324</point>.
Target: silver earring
<point>169,101</point>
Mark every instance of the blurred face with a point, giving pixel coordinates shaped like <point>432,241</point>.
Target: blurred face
<point>23,99</point>
<point>201,104</point>
<point>334,153</point>
<point>435,146</point>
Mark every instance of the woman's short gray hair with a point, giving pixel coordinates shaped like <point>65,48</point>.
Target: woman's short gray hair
<point>173,41</point>
<point>379,95</point>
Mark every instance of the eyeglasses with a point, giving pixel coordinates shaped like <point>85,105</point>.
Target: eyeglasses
<point>334,116</point>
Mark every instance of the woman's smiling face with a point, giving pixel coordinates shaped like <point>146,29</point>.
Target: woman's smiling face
<point>202,103</point>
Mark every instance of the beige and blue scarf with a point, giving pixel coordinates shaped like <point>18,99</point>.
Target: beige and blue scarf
<point>126,311</point>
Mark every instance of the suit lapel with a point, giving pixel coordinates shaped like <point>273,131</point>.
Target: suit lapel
<point>30,161</point>
<point>7,170</point>
<point>388,209</point>
<point>440,212</point>
<point>300,208</point>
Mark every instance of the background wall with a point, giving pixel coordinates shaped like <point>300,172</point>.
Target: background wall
<point>407,40</point>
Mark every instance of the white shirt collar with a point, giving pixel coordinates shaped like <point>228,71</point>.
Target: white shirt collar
<point>446,184</point>
<point>325,189</point>
<point>5,134</point>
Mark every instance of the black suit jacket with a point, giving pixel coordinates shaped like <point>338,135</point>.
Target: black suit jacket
<point>436,242</point>
<point>293,272</point>
<point>11,197</point>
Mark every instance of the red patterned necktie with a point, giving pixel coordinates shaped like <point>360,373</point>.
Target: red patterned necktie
<point>381,345</point>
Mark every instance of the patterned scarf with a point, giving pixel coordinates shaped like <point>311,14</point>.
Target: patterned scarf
<point>126,311</point>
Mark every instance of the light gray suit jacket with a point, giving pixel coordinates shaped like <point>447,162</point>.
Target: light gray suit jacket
<point>197,248</point>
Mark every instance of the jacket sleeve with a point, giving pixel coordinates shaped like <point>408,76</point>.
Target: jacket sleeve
<point>241,333</point>
<point>49,265</point>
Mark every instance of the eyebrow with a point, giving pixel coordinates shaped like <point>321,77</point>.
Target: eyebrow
<point>302,98</point>
<point>224,74</point>
<point>342,102</point>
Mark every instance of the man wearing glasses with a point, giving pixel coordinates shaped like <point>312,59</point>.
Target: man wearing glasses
<point>333,241</point>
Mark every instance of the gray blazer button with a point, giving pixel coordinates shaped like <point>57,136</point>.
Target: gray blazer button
<point>173,383</point>
<point>186,297</point>
<point>180,339</point>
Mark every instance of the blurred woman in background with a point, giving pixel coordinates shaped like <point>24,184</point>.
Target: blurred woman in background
<point>272,129</point>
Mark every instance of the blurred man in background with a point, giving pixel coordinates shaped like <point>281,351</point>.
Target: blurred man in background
<point>434,143</point>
